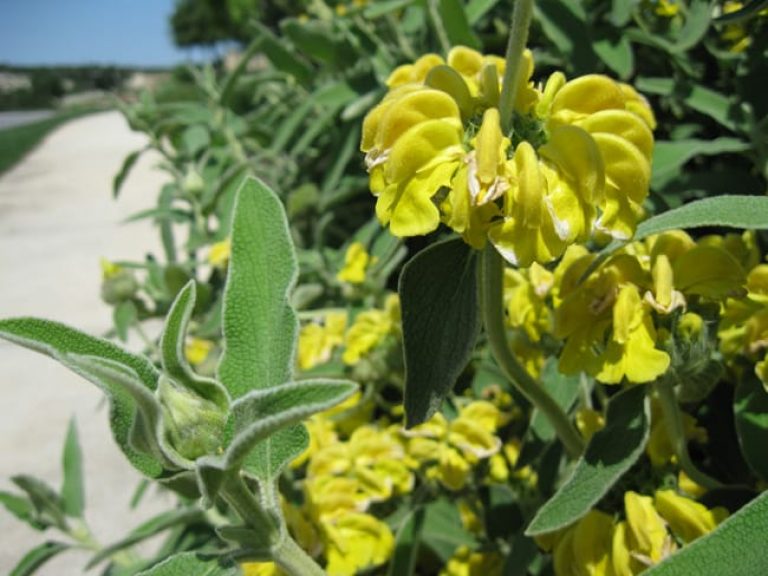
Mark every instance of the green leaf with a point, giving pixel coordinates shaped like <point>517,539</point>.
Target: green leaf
<point>476,9</point>
<point>161,522</point>
<point>697,21</point>
<point>21,508</point>
<point>195,139</point>
<point>406,552</point>
<point>617,54</point>
<point>260,326</point>
<point>443,530</point>
<point>38,556</point>
<point>737,546</point>
<point>262,413</point>
<point>72,493</point>
<point>376,9</point>
<point>55,340</point>
<point>456,24</point>
<point>282,57</point>
<point>563,389</point>
<point>564,23</point>
<point>134,410</point>
<point>611,452</point>
<point>124,316</point>
<point>748,212</point>
<point>314,38</point>
<point>669,157</point>
<point>125,169</point>
<point>48,506</point>
<point>438,294</point>
<point>750,409</point>
<point>172,354</point>
<point>192,564</point>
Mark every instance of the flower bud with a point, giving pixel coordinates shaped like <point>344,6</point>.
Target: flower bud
<point>193,424</point>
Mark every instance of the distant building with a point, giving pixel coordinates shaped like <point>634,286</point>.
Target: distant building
<point>12,81</point>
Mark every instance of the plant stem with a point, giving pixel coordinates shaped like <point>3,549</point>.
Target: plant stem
<point>491,297</point>
<point>293,560</point>
<point>518,38</point>
<point>676,431</point>
<point>284,551</point>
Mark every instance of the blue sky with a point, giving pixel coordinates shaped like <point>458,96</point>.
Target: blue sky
<point>126,32</point>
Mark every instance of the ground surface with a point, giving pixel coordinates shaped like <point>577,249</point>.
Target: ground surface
<point>11,119</point>
<point>57,218</point>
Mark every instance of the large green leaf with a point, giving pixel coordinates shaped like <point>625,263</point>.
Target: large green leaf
<point>748,212</point>
<point>281,55</point>
<point>54,339</point>
<point>72,492</point>
<point>38,556</point>
<point>611,452</point>
<point>260,326</point>
<point>192,564</point>
<point>564,23</point>
<point>737,546</point>
<point>64,344</point>
<point>669,157</point>
<point>750,409</point>
<point>438,294</point>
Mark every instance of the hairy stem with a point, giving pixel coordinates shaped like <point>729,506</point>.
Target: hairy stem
<point>285,552</point>
<point>491,297</point>
<point>518,38</point>
<point>676,432</point>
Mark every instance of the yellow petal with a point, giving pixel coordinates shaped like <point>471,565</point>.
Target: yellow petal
<point>625,166</point>
<point>621,123</point>
<point>586,95</point>
<point>709,272</point>
<point>647,529</point>
<point>426,143</point>
<point>687,518</point>
<point>412,109</point>
<point>577,155</point>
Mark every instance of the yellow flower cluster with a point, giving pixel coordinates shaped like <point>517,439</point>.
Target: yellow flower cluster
<point>652,528</point>
<point>356,262</point>
<point>610,321</point>
<point>320,338</point>
<point>343,479</point>
<point>449,451</point>
<point>743,329</point>
<point>576,160</point>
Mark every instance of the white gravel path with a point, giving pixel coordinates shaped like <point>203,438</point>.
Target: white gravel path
<point>57,218</point>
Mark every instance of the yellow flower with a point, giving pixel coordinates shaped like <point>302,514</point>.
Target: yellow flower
<point>659,447</point>
<point>465,562</point>
<point>370,328</point>
<point>588,422</point>
<point>647,530</point>
<point>581,160</point>
<point>608,329</point>
<point>219,254</point>
<point>356,261</point>
<point>261,569</point>
<point>666,8</point>
<point>318,341</point>
<point>197,350</point>
<point>357,541</point>
<point>584,548</point>
<point>687,518</point>
<point>109,269</point>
